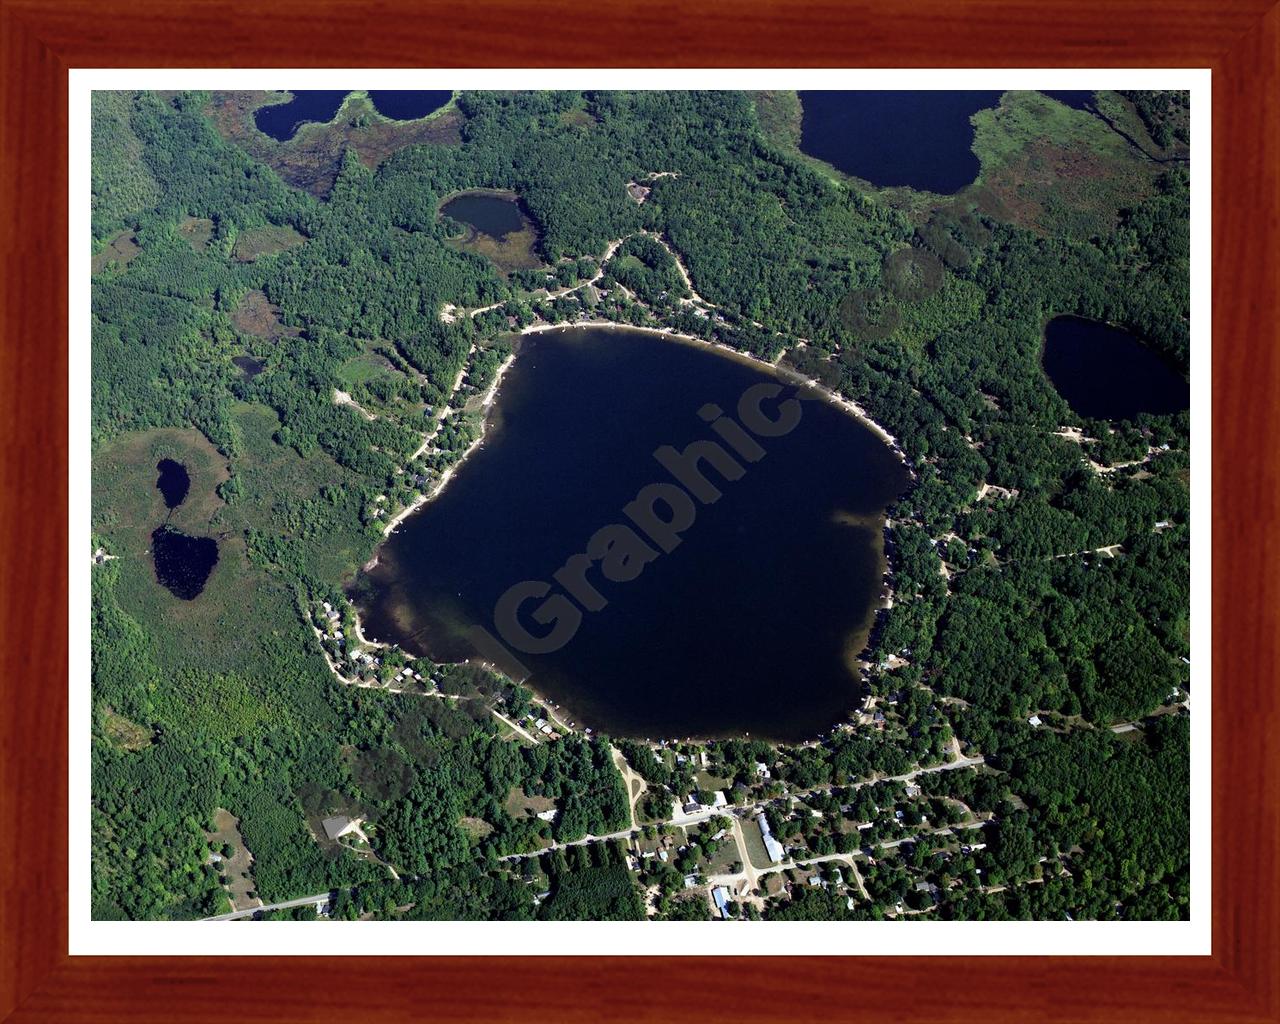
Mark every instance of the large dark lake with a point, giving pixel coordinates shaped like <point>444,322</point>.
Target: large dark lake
<point>408,104</point>
<point>1104,372</point>
<point>281,120</point>
<point>749,623</point>
<point>494,215</point>
<point>918,138</point>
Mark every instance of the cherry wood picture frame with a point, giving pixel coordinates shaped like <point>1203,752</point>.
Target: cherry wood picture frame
<point>41,39</point>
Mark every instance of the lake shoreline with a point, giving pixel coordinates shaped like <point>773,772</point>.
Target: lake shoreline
<point>447,475</point>
<point>848,406</point>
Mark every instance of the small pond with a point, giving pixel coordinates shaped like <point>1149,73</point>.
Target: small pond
<point>1107,373</point>
<point>282,120</point>
<point>173,482</point>
<point>183,563</point>
<point>922,139</point>
<point>490,213</point>
<point>248,365</point>
<point>409,104</point>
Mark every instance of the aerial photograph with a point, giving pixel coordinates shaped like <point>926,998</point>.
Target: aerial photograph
<point>640,506</point>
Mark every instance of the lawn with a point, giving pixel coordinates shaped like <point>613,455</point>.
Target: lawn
<point>365,367</point>
<point>238,869</point>
<point>723,859</point>
<point>755,844</point>
<point>521,805</point>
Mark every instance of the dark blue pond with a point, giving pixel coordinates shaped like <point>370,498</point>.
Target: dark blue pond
<point>173,482</point>
<point>1106,373</point>
<point>408,104</point>
<point>916,138</point>
<point>490,214</point>
<point>281,120</point>
<point>183,563</point>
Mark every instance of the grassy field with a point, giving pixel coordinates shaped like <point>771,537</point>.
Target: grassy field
<point>278,485</point>
<point>225,681</point>
<point>521,805</point>
<point>474,828</point>
<point>365,367</point>
<point>215,660</point>
<point>516,250</point>
<point>1123,113</point>
<point>238,868</point>
<point>1053,169</point>
<point>258,242</point>
<point>197,231</point>
<point>127,505</point>
<point>125,734</point>
<point>1044,165</point>
<point>254,315</point>
<point>116,253</point>
<point>754,843</point>
<point>723,859</point>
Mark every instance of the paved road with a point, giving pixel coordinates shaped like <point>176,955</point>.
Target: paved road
<point>751,876</point>
<point>736,814</point>
<point>707,813</point>
<point>301,901</point>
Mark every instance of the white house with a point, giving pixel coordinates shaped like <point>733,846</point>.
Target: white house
<point>774,848</point>
<point>720,896</point>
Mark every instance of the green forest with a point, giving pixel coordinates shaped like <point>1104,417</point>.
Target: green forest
<point>1040,560</point>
